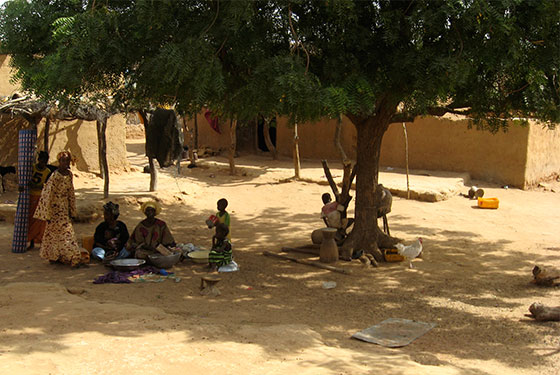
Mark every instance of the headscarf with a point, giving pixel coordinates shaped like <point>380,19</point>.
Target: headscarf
<point>112,208</point>
<point>63,154</point>
<point>155,205</point>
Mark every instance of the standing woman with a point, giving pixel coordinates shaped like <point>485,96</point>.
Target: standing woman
<point>56,206</point>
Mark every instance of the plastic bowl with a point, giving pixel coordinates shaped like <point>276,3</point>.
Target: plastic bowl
<point>199,256</point>
<point>164,261</point>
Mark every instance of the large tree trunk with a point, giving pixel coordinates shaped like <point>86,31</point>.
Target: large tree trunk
<point>153,170</point>
<point>267,140</point>
<point>102,151</point>
<point>366,235</point>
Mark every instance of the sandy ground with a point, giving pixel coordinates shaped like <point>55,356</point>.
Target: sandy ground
<point>274,317</point>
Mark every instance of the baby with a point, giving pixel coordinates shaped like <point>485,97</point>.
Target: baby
<point>221,253</point>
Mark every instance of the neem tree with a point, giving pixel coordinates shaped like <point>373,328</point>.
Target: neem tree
<point>383,61</point>
<point>377,62</point>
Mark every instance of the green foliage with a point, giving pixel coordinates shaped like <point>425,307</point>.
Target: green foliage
<point>303,58</point>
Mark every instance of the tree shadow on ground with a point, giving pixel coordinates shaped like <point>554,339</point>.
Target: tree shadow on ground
<point>460,282</point>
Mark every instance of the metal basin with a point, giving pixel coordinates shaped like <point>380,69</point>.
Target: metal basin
<point>164,261</point>
<point>127,264</point>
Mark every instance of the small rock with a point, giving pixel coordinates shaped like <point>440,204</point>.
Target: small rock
<point>76,291</point>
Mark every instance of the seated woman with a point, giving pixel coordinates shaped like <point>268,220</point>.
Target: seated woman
<point>110,236</point>
<point>149,233</point>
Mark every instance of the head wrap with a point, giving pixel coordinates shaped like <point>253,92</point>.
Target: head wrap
<point>155,205</point>
<point>112,208</point>
<point>64,154</point>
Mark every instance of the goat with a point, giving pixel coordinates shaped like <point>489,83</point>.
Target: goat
<point>4,171</point>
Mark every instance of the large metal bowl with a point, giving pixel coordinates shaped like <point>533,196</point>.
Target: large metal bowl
<point>127,264</point>
<point>199,256</point>
<point>164,261</point>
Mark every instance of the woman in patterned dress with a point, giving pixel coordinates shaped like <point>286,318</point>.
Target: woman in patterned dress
<point>149,233</point>
<point>57,206</point>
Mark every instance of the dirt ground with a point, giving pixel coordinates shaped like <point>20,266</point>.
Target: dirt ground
<point>274,317</point>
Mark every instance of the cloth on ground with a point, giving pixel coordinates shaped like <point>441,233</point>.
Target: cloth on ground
<point>122,277</point>
<point>164,139</point>
<point>394,332</point>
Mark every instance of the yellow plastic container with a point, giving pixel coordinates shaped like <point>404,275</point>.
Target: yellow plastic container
<point>488,203</point>
<point>87,243</point>
<point>392,255</point>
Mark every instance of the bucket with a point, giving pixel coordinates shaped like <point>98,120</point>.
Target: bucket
<point>87,243</point>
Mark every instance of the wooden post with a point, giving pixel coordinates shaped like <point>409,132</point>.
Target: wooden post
<point>296,153</point>
<point>195,141</point>
<point>232,146</point>
<point>256,136</point>
<point>330,179</point>
<point>102,151</point>
<point>153,174</point>
<point>190,139</point>
<point>406,161</point>
<point>46,135</point>
<point>337,143</point>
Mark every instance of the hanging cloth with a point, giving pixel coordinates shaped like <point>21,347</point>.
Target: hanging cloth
<point>213,121</point>
<point>164,140</point>
<point>26,149</point>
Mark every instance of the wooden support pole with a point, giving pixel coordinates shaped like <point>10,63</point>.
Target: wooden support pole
<point>330,179</point>
<point>232,145</point>
<point>102,150</point>
<point>337,142</point>
<point>308,263</point>
<point>46,135</point>
<point>406,161</point>
<point>297,165</point>
<point>153,174</point>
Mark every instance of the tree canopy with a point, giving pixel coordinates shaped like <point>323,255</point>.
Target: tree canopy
<point>377,61</point>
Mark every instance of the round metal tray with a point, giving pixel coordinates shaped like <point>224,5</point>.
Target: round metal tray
<point>127,264</point>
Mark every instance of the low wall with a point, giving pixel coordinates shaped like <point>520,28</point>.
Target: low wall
<point>448,145</point>
<point>79,137</point>
<point>9,130</point>
<point>520,157</point>
<point>6,87</point>
<point>543,155</point>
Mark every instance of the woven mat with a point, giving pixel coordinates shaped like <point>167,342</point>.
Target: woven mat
<point>393,332</point>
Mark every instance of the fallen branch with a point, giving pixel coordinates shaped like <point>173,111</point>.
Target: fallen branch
<point>308,262</point>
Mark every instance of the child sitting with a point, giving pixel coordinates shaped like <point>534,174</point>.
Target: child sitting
<point>221,253</point>
<point>334,216</point>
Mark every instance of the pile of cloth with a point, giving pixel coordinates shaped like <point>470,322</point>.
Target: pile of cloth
<point>144,274</point>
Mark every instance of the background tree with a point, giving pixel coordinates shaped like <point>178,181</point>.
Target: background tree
<point>377,62</point>
<point>386,61</point>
